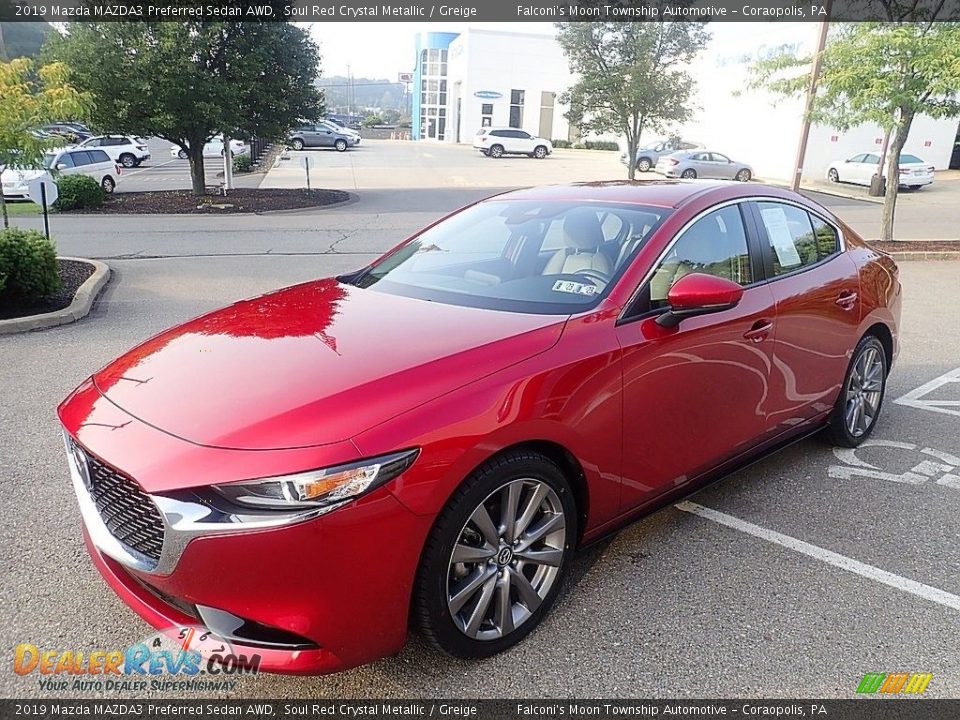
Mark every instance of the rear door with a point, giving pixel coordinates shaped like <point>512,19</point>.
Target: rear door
<point>700,161</point>
<point>324,135</point>
<point>816,288</point>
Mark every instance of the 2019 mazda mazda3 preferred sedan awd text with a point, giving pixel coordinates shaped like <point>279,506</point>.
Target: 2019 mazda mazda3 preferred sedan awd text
<point>427,440</point>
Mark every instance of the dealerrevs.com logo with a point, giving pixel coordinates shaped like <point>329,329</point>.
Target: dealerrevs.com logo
<point>158,662</point>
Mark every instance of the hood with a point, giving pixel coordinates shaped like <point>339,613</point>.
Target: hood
<point>21,176</point>
<point>313,364</point>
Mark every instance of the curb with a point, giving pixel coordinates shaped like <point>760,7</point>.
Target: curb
<point>79,308</point>
<point>310,209</point>
<point>929,255</point>
<point>828,190</point>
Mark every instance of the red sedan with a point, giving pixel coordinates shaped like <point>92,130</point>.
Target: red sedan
<point>427,440</point>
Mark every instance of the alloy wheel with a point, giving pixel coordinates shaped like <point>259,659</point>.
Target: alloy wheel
<point>643,165</point>
<point>506,559</point>
<point>863,392</point>
<point>540,152</point>
<point>833,176</point>
<point>108,185</point>
<point>743,176</point>
<point>688,174</point>
<point>496,151</point>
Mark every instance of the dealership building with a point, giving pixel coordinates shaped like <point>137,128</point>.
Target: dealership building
<point>466,81</point>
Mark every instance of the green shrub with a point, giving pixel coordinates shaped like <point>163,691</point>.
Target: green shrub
<point>76,192</point>
<point>561,143</point>
<point>28,266</point>
<point>601,145</point>
<point>242,163</point>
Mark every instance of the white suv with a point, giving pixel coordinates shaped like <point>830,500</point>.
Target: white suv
<point>122,149</point>
<point>497,142</point>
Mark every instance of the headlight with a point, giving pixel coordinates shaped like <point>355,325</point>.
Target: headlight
<point>329,486</point>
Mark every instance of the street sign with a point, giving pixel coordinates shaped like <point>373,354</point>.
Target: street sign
<point>33,189</point>
<point>405,77</point>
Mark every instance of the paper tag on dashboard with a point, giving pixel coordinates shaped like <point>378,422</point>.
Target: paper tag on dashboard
<point>568,286</point>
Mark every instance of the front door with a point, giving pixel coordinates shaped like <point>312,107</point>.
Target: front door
<point>695,395</point>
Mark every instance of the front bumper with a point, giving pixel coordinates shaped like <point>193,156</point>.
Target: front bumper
<point>341,582</point>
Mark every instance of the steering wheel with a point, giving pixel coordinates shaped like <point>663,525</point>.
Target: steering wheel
<point>597,277</point>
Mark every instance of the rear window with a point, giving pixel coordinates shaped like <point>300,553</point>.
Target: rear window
<point>519,256</point>
<point>904,158</point>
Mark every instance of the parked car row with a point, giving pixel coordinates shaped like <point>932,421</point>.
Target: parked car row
<point>74,160</point>
<point>213,148</point>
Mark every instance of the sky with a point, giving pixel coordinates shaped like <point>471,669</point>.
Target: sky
<point>382,49</point>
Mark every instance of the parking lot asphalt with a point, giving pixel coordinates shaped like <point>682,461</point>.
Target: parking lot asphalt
<point>817,569</point>
<point>164,172</point>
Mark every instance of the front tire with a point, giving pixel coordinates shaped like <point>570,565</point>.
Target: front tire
<point>496,557</point>
<point>743,176</point>
<point>340,145</point>
<point>644,165</point>
<point>182,154</point>
<point>861,395</point>
<point>297,144</point>
<point>540,152</point>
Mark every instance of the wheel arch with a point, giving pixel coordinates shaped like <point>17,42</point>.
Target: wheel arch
<point>883,334</point>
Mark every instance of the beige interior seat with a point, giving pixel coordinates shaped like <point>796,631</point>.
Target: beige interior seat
<point>582,238</point>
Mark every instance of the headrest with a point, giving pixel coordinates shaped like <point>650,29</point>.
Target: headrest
<point>581,229</point>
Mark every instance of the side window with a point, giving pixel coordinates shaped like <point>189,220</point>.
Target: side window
<point>790,235</point>
<point>66,159</point>
<point>872,159</point>
<point>80,158</point>
<point>92,142</point>
<point>717,157</point>
<point>857,158</point>
<point>827,240</point>
<point>715,245</point>
<point>98,156</point>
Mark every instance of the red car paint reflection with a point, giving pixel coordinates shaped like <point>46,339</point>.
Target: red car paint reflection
<point>638,397</point>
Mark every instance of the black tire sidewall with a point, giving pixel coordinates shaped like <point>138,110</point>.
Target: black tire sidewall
<point>689,174</point>
<point>496,151</point>
<point>838,426</point>
<point>340,145</point>
<point>640,165</point>
<point>430,599</point>
<point>297,143</point>
<point>108,181</point>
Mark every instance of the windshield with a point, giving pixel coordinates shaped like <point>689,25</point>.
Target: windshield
<point>520,256</point>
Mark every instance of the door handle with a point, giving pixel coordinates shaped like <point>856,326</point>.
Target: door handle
<point>847,300</point>
<point>759,332</point>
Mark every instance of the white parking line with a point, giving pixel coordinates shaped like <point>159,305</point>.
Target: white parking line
<point>151,167</point>
<point>947,407</point>
<point>941,597</point>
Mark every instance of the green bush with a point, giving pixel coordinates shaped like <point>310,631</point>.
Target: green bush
<point>76,192</point>
<point>561,143</point>
<point>28,266</point>
<point>242,163</point>
<point>601,145</point>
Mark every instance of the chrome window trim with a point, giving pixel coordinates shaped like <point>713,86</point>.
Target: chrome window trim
<point>703,213</point>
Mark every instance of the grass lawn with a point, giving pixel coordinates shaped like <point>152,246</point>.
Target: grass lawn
<point>20,209</point>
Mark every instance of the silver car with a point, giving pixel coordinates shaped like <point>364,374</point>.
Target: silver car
<point>703,164</point>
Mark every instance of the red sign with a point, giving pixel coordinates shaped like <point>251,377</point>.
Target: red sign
<point>927,143</point>
<point>878,141</point>
<point>834,138</point>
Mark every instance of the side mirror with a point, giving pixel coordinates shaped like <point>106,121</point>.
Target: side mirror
<point>699,294</point>
<point>61,166</point>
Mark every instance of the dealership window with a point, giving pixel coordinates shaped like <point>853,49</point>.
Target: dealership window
<point>433,94</point>
<point>486,115</point>
<point>516,108</point>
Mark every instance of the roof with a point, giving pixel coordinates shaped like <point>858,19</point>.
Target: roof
<point>660,193</point>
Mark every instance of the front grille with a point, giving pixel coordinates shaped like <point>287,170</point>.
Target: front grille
<point>128,512</point>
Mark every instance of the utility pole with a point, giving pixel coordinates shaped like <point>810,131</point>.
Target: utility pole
<point>811,94</point>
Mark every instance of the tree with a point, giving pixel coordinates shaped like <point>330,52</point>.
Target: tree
<point>22,39</point>
<point>188,82</point>
<point>632,76</point>
<point>883,73</point>
<point>28,99</point>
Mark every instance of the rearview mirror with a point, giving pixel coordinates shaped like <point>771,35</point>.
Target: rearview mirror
<point>699,294</point>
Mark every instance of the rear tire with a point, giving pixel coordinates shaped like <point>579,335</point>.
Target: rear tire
<point>182,154</point>
<point>505,582</point>
<point>833,176</point>
<point>689,174</point>
<point>128,160</point>
<point>108,184</point>
<point>861,395</point>
<point>496,151</point>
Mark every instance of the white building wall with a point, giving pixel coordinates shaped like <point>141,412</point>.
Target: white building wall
<point>764,130</point>
<point>491,61</point>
